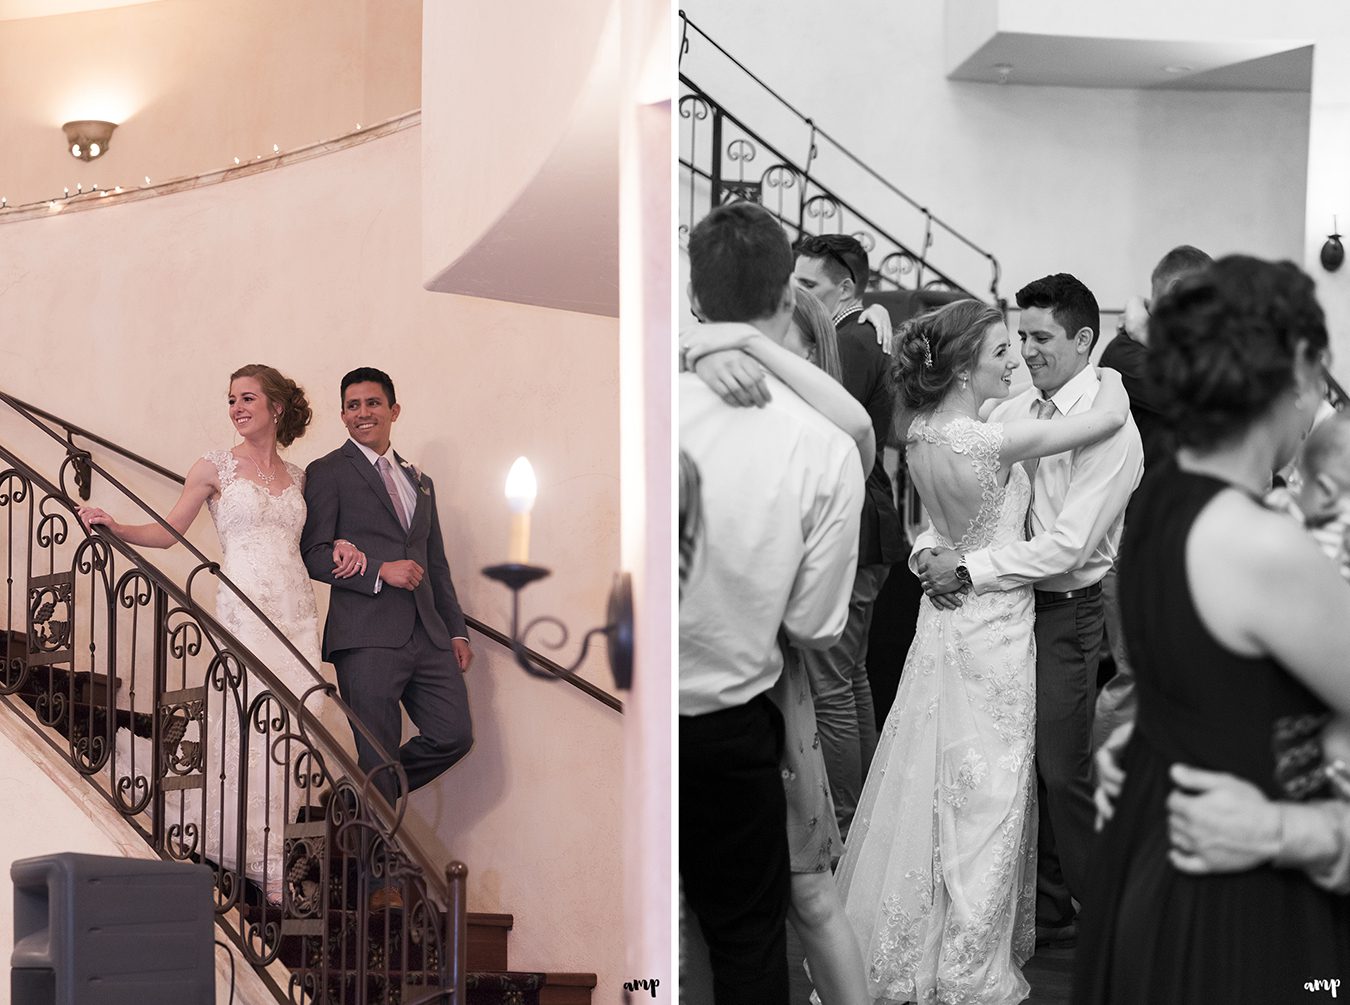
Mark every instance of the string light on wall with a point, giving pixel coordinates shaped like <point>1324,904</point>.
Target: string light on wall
<point>517,574</point>
<point>88,138</point>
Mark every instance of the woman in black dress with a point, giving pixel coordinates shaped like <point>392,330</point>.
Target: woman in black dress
<point>1239,630</point>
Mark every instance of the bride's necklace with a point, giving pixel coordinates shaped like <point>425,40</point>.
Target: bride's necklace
<point>266,477</point>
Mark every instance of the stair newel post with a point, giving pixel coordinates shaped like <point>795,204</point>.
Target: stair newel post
<point>160,676</point>
<point>457,927</point>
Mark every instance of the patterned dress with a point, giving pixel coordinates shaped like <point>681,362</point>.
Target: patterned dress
<point>938,875</point>
<point>260,541</point>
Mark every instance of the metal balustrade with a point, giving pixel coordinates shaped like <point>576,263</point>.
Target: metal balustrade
<point>125,670</point>
<point>723,159</point>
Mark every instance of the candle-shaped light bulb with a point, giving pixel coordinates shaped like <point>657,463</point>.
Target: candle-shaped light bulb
<point>521,489</point>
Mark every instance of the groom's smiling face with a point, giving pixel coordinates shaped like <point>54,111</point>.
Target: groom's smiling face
<point>368,416</point>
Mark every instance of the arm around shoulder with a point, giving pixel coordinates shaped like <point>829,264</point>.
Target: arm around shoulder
<point>817,608</point>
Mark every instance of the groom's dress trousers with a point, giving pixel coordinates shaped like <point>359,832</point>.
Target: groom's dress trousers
<point>1077,512</point>
<point>838,675</point>
<point>390,646</point>
<point>781,493</point>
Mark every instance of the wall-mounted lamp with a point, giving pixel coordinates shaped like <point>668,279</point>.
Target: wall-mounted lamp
<point>89,138</point>
<point>521,489</point>
<point>1333,252</point>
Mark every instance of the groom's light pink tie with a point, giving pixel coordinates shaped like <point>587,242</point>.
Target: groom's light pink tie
<point>387,473</point>
<point>1043,408</point>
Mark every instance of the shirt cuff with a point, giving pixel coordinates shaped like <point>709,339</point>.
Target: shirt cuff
<point>981,569</point>
<point>379,585</point>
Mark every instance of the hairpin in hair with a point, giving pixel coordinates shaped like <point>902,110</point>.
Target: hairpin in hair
<point>927,350</point>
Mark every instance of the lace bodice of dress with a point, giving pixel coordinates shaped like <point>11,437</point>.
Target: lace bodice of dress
<point>1002,510</point>
<point>260,540</point>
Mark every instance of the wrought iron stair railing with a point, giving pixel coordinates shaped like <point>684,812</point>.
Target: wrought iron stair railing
<point>97,637</point>
<point>717,150</point>
<point>82,475</point>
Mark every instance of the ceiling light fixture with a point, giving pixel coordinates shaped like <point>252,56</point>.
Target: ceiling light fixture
<point>88,138</point>
<point>1178,68</point>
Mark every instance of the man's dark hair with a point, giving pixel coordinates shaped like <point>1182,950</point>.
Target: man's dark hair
<point>364,374</point>
<point>739,262</point>
<point>844,257</point>
<point>1069,302</point>
<point>1180,261</point>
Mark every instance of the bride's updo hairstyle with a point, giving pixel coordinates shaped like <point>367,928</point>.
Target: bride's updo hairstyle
<point>280,389</point>
<point>1222,344</point>
<point>933,348</point>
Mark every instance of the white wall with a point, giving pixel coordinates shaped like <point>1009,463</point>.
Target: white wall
<point>1090,181</point>
<point>127,318</point>
<point>195,83</point>
<point>38,785</point>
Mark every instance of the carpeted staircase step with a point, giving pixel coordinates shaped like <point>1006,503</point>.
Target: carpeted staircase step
<point>522,988</point>
<point>487,939</point>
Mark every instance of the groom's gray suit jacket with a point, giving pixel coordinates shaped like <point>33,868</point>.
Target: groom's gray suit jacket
<point>347,500</point>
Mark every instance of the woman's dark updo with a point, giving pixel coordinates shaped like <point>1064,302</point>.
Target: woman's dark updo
<point>933,348</point>
<point>1222,344</point>
<point>280,390</point>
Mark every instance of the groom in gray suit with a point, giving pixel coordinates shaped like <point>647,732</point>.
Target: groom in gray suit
<point>395,631</point>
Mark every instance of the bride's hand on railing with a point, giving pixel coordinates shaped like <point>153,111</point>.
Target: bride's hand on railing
<point>92,516</point>
<point>348,560</point>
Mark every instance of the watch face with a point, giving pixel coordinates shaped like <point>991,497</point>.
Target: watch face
<point>963,574</point>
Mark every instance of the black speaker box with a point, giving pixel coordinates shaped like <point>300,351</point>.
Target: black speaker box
<point>96,930</point>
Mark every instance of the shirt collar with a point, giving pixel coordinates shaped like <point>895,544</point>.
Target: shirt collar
<point>845,312</point>
<point>1074,389</point>
<point>372,456</point>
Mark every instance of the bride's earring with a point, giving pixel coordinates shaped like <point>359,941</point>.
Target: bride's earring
<point>963,379</point>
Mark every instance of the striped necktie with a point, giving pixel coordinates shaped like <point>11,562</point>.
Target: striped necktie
<point>387,473</point>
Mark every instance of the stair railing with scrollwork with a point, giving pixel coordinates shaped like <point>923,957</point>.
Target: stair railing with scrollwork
<point>199,745</point>
<point>718,152</point>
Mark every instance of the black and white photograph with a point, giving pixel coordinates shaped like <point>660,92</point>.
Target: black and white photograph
<point>1014,499</point>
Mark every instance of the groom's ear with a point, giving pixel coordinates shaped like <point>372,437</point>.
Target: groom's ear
<point>393,412</point>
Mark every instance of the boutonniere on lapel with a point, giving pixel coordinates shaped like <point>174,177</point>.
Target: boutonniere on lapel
<point>417,477</point>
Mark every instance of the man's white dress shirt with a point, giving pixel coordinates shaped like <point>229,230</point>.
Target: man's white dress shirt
<point>1078,503</point>
<point>782,491</point>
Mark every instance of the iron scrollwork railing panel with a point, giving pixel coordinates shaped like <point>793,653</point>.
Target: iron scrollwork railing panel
<point>713,145</point>
<point>177,723</point>
<point>51,606</point>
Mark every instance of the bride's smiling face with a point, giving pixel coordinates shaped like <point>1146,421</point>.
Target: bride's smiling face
<point>991,376</point>
<point>250,411</point>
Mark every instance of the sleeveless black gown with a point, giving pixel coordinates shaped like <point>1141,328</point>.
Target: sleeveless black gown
<point>1149,933</point>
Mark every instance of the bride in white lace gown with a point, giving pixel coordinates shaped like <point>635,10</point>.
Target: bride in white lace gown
<point>938,875</point>
<point>257,503</point>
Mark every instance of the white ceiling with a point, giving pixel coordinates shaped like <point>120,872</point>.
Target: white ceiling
<point>17,10</point>
<point>1066,61</point>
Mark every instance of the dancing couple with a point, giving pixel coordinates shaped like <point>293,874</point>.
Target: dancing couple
<point>363,520</point>
<point>939,872</point>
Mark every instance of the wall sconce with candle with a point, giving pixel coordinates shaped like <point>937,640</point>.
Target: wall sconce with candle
<point>517,573</point>
<point>88,138</point>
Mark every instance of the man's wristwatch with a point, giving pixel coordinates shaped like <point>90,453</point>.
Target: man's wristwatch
<point>962,573</point>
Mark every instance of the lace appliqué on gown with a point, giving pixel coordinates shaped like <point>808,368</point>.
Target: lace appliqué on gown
<point>260,543</point>
<point>938,876</point>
